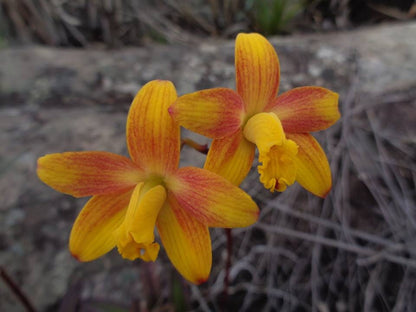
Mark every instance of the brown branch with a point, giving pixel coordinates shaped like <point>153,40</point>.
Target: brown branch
<point>16,290</point>
<point>225,293</point>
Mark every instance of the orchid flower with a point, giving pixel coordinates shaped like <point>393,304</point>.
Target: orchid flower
<point>253,116</point>
<point>132,196</point>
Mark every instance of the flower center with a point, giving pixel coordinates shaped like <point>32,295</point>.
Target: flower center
<point>276,153</point>
<point>278,170</point>
<point>135,236</point>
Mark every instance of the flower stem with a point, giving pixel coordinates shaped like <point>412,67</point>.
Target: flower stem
<point>228,262</point>
<point>16,290</point>
<point>202,148</point>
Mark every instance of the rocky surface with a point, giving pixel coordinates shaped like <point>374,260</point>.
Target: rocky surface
<point>55,100</point>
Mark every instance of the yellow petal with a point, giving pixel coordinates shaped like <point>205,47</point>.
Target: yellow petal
<point>153,137</point>
<point>211,199</point>
<point>93,232</point>
<point>306,109</point>
<point>231,157</point>
<point>88,173</point>
<point>257,71</point>
<point>313,171</point>
<point>276,153</point>
<point>214,113</point>
<point>187,242</point>
<point>136,234</point>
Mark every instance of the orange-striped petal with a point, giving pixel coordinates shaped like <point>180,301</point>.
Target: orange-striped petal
<point>88,173</point>
<point>306,109</point>
<point>257,71</point>
<point>186,240</point>
<point>211,199</point>
<point>93,232</point>
<point>214,113</point>
<point>313,171</point>
<point>153,137</point>
<point>136,233</point>
<point>231,157</point>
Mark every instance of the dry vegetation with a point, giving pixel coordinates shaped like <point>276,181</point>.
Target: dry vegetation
<point>117,22</point>
<point>126,22</point>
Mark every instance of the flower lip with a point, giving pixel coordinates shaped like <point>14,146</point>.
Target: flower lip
<point>276,153</point>
<point>135,236</point>
<point>132,250</point>
<point>278,168</point>
<point>265,130</point>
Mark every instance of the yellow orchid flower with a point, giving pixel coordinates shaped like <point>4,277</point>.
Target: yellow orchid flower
<point>253,116</point>
<point>131,196</point>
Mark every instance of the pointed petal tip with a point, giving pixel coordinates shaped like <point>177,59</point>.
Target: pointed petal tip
<point>335,100</point>
<point>76,257</point>
<point>325,194</point>
<point>159,81</point>
<point>321,194</point>
<point>200,281</point>
<point>249,34</point>
<point>39,162</point>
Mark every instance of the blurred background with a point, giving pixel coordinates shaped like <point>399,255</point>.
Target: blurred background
<point>68,73</point>
<point>134,22</point>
